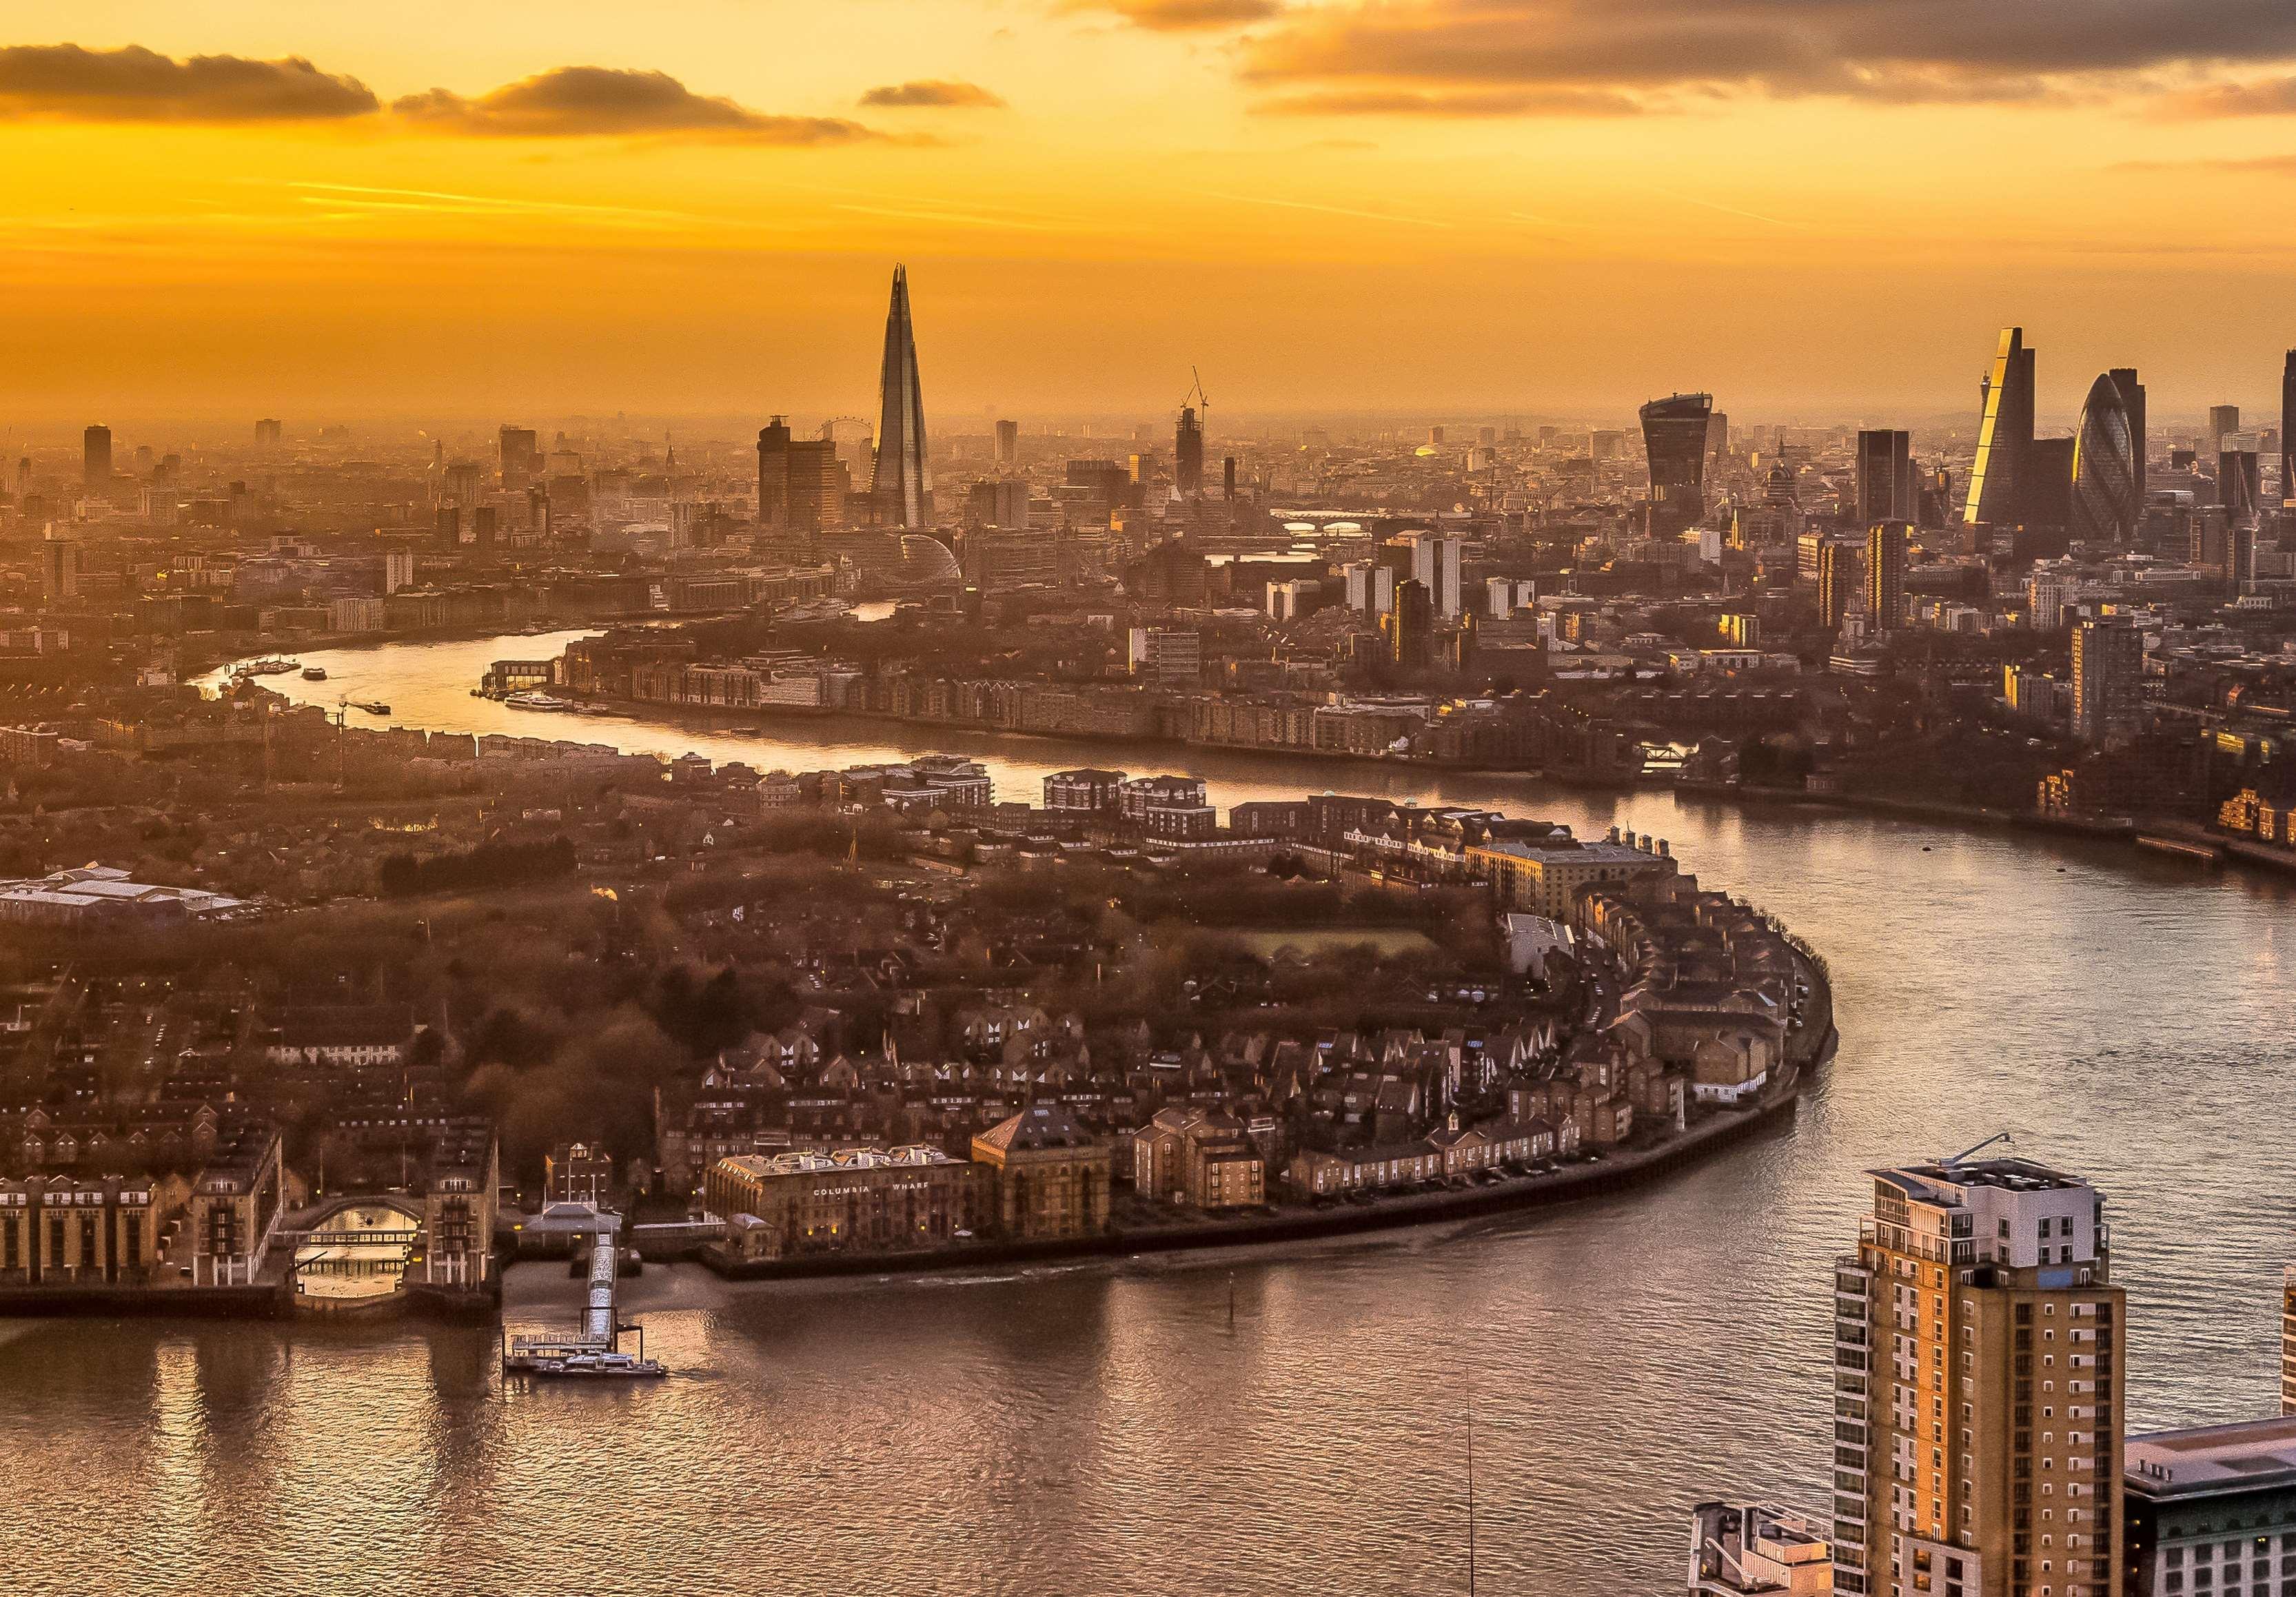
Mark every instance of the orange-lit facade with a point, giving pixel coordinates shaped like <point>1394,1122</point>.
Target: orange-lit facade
<point>1978,1397</point>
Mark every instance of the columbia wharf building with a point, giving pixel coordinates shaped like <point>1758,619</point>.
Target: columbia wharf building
<point>1978,1388</point>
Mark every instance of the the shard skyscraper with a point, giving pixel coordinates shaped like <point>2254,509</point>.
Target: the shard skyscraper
<point>1997,484</point>
<point>899,484</point>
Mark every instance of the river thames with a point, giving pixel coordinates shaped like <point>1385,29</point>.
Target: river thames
<point>1101,1429</point>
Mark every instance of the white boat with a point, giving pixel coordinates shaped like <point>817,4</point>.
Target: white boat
<point>600,1364</point>
<point>533,698</point>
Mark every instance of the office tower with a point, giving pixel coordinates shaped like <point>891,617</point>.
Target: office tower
<point>448,527</point>
<point>1001,502</point>
<point>2108,667</point>
<point>816,486</point>
<point>1166,655</point>
<point>1188,453</point>
<point>461,482</point>
<point>2132,400</point>
<point>2288,430</point>
<point>2004,437</point>
<point>59,568</point>
<point>1885,573</point>
<point>267,433</point>
<point>1886,489</point>
<point>517,456</point>
<point>1487,437</point>
<point>1674,434</point>
<point>1433,561</point>
<point>2048,492</point>
<point>1434,435</point>
<point>482,531</point>
<point>1978,1388</point>
<point>900,484</point>
<point>774,475</point>
<point>1547,435</point>
<point>1008,446</point>
<point>2240,486</point>
<point>1227,478</point>
<point>1103,482</point>
<point>1604,445</point>
<point>96,456</point>
<point>2223,420</point>
<point>1410,627</point>
<point>2106,505</point>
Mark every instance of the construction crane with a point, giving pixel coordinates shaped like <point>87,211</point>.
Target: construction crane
<point>1195,396</point>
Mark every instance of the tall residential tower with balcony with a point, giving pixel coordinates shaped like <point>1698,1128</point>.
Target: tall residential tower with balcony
<point>1978,1388</point>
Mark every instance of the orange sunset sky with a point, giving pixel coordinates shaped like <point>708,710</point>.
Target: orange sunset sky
<point>1814,207</point>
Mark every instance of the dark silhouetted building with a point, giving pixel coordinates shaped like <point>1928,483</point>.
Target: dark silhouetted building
<point>774,475</point>
<point>1410,627</point>
<point>267,433</point>
<point>2240,485</point>
<point>2224,421</point>
<point>1008,446</point>
<point>1188,453</point>
<point>1674,434</point>
<point>2108,667</point>
<point>900,484</point>
<point>2048,493</point>
<point>96,456</point>
<point>2005,438</point>
<point>2105,504</point>
<point>1886,487</point>
<point>2288,430</point>
<point>517,456</point>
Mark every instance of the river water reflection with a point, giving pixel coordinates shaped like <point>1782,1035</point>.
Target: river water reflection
<point>1101,1429</point>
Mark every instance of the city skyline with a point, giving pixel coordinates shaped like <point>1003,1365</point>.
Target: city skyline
<point>257,210</point>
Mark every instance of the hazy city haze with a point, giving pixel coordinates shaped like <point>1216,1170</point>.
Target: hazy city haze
<point>1520,203</point>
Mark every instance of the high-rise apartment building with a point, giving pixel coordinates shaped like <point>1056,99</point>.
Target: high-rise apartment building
<point>59,568</point>
<point>1435,563</point>
<point>2004,437</point>
<point>1978,1388</point>
<point>96,456</point>
<point>1008,446</point>
<point>1674,434</point>
<point>1887,489</point>
<point>1371,587</point>
<point>1840,571</point>
<point>2108,672</point>
<point>900,484</point>
<point>1188,453</point>
<point>1885,572</point>
<point>267,433</point>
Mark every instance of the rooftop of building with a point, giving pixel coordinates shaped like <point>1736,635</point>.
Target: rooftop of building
<point>762,1166</point>
<point>2011,1175</point>
<point>2205,1460</point>
<point>1043,1125</point>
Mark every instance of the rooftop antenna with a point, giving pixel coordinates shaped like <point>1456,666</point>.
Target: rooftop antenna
<point>1998,1136</point>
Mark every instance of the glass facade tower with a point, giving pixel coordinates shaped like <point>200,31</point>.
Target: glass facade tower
<point>1674,432</point>
<point>2005,438</point>
<point>900,484</point>
<point>2105,504</point>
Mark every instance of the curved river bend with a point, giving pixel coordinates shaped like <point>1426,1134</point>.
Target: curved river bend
<point>1099,1429</point>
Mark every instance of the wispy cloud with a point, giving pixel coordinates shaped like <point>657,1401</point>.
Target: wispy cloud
<point>590,102</point>
<point>136,84</point>
<point>1180,16</point>
<point>933,94</point>
<point>1329,210</point>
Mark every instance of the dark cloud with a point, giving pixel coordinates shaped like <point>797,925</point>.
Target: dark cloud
<point>933,93</point>
<point>2271,97</point>
<point>1182,16</point>
<point>1675,52</point>
<point>577,102</point>
<point>136,84</point>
